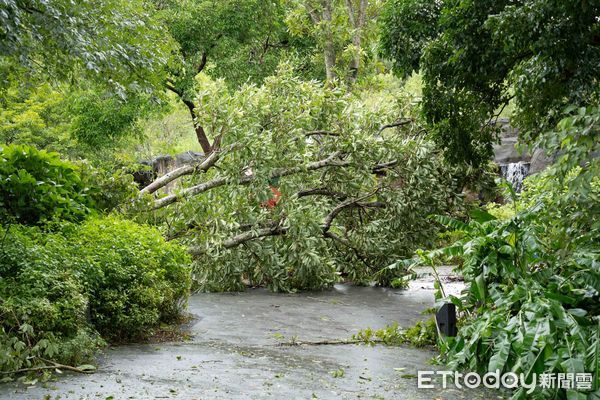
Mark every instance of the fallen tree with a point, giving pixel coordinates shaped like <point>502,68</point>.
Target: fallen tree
<point>307,184</point>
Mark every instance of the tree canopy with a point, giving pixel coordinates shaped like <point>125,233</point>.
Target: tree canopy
<point>479,56</point>
<point>112,41</point>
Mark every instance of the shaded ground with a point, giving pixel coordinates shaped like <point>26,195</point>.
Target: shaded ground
<point>234,353</point>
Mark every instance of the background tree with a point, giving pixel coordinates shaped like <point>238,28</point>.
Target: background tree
<point>108,40</point>
<point>407,26</point>
<point>88,120</point>
<point>238,40</point>
<point>344,32</point>
<point>539,54</point>
<point>78,74</point>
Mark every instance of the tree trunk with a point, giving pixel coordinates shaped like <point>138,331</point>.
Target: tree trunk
<point>200,134</point>
<point>357,19</point>
<point>328,46</point>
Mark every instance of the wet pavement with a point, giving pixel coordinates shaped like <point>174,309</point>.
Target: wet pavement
<point>235,352</point>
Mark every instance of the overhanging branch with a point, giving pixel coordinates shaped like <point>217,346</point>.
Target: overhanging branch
<point>330,161</point>
<point>164,180</point>
<point>243,238</point>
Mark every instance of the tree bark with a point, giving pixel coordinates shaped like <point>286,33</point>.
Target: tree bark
<point>328,46</point>
<point>243,238</point>
<point>203,187</point>
<point>200,134</point>
<point>357,19</point>
<point>164,180</point>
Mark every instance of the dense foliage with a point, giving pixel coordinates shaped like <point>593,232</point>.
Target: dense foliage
<point>236,40</point>
<point>137,279</point>
<point>62,293</point>
<point>108,40</point>
<point>407,27</point>
<point>533,295</point>
<point>352,196</point>
<point>37,186</point>
<point>71,280</point>
<point>540,55</point>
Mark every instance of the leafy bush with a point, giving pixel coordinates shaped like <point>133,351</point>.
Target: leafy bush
<point>42,303</point>
<point>134,278</point>
<point>58,290</point>
<point>531,305</point>
<point>110,187</point>
<point>37,186</point>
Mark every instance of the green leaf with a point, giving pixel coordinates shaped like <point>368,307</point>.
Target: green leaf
<point>481,216</point>
<point>480,287</point>
<point>501,351</point>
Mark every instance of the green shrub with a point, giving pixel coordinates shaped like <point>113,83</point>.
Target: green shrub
<point>42,304</point>
<point>110,187</point>
<point>59,289</point>
<point>134,278</point>
<point>37,186</point>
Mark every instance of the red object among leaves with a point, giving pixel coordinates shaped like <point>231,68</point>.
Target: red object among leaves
<point>272,202</point>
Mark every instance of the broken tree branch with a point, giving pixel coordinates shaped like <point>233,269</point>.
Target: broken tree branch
<point>349,245</point>
<point>383,166</point>
<point>164,180</point>
<point>203,187</point>
<point>327,342</point>
<point>349,203</point>
<point>243,238</point>
<point>321,192</point>
<point>321,133</point>
<point>192,191</point>
<point>54,365</point>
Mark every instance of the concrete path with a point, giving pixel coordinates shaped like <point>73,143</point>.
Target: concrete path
<point>234,352</point>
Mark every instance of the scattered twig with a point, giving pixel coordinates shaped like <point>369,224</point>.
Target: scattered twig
<point>334,342</point>
<point>54,365</point>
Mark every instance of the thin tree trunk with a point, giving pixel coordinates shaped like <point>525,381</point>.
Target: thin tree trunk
<point>200,134</point>
<point>358,21</point>
<point>328,47</point>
